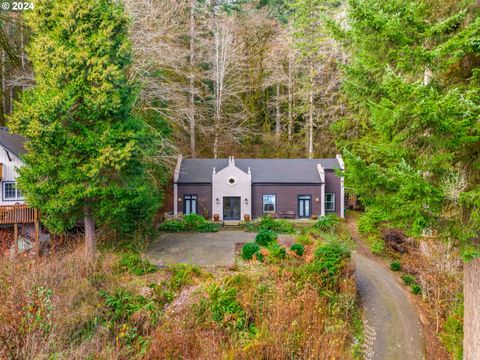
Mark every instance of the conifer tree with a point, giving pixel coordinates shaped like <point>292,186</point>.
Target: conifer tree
<point>86,151</point>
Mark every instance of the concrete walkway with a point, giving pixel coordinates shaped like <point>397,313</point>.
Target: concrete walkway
<point>216,249</point>
<point>392,327</point>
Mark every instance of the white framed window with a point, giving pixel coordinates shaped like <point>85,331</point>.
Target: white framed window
<point>329,202</point>
<point>269,203</point>
<point>11,192</point>
<point>190,202</point>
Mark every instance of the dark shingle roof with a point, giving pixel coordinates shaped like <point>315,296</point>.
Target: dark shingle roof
<point>12,142</point>
<point>262,170</point>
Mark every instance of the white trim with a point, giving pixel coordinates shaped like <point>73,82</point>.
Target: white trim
<point>175,199</point>
<point>322,200</point>
<point>342,187</point>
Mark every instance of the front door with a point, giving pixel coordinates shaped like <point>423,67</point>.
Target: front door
<point>304,206</point>
<point>231,208</point>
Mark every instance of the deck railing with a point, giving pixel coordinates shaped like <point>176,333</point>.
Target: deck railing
<point>17,214</point>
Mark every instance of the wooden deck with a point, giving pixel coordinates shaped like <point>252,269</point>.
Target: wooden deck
<point>17,214</point>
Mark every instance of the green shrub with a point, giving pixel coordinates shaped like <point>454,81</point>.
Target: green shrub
<point>377,245</point>
<point>416,289</point>
<point>190,222</point>
<point>173,225</point>
<point>327,223</point>
<point>299,249</point>
<point>221,305</point>
<point>279,226</point>
<point>135,265</point>
<point>395,265</point>
<point>328,261</point>
<point>452,332</point>
<point>408,279</point>
<point>182,274</point>
<point>369,221</point>
<point>250,249</point>
<point>304,239</point>
<point>265,237</point>
<point>276,251</point>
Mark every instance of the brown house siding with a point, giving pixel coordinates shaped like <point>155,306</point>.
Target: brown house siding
<point>287,197</point>
<point>332,185</point>
<point>204,193</point>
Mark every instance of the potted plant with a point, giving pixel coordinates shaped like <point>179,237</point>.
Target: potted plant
<point>246,218</point>
<point>314,217</point>
<point>216,217</point>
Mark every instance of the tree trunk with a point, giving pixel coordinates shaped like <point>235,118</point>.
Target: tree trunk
<point>471,323</point>
<point>290,99</point>
<point>310,124</point>
<point>192,81</point>
<point>278,125</point>
<point>90,241</point>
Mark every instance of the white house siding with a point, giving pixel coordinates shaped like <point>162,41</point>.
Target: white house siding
<point>242,187</point>
<point>9,172</point>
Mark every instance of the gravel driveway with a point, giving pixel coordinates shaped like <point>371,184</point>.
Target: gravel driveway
<point>217,249</point>
<point>392,326</point>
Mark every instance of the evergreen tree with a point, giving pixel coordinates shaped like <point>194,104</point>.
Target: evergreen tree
<point>86,151</point>
<point>413,134</point>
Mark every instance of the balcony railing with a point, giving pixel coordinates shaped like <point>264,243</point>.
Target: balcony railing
<point>17,214</point>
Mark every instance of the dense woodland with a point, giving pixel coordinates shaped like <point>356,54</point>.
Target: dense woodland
<point>391,84</point>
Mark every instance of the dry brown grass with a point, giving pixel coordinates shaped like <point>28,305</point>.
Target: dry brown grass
<point>288,320</point>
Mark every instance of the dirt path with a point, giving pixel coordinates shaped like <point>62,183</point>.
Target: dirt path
<point>392,326</point>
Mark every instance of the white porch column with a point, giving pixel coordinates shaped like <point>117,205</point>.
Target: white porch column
<point>342,187</point>
<point>176,174</point>
<point>321,172</point>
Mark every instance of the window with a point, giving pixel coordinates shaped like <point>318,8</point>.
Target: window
<point>231,181</point>
<point>304,206</point>
<point>269,202</point>
<point>329,202</point>
<point>190,204</point>
<point>10,191</point>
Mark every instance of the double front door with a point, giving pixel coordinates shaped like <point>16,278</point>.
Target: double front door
<point>231,208</point>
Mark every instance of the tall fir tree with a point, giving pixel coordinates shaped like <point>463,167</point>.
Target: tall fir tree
<point>86,151</point>
<point>413,134</point>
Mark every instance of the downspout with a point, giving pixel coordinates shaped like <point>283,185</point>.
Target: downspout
<point>342,187</point>
<point>176,174</point>
<point>321,172</point>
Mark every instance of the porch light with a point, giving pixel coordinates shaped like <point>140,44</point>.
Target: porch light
<point>217,201</point>
<point>246,201</point>
<point>317,199</point>
<point>179,199</point>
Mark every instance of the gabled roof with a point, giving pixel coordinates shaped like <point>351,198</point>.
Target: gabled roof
<point>262,170</point>
<point>12,142</point>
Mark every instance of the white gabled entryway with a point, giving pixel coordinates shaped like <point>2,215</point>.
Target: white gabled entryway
<point>231,192</point>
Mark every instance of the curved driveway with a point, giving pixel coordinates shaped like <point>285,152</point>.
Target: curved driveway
<point>392,326</point>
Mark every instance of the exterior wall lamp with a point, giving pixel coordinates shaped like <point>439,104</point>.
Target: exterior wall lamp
<point>317,199</point>
<point>179,199</point>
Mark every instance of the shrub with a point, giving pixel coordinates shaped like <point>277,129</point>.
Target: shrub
<point>416,289</point>
<point>265,237</point>
<point>222,306</point>
<point>328,261</point>
<point>377,245</point>
<point>280,226</point>
<point>452,332</point>
<point>250,249</point>
<point>299,249</point>
<point>327,223</point>
<point>135,265</point>
<point>395,265</point>
<point>173,225</point>
<point>276,251</point>
<point>304,239</point>
<point>408,279</point>
<point>190,222</point>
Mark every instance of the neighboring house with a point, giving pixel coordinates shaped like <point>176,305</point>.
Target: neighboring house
<point>293,188</point>
<point>11,148</point>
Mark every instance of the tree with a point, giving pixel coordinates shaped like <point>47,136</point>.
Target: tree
<point>413,134</point>
<point>86,150</point>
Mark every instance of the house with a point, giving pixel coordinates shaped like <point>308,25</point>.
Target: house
<point>11,148</point>
<point>234,188</point>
